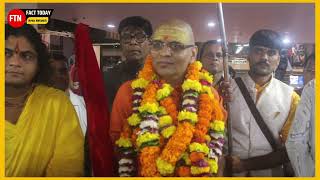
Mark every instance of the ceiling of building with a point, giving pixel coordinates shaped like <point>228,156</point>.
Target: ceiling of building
<point>296,21</point>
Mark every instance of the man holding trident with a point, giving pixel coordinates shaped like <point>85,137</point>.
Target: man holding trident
<point>225,85</point>
<point>261,111</point>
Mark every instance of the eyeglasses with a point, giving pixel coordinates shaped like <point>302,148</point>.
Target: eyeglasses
<point>174,46</point>
<point>139,37</point>
<point>262,50</point>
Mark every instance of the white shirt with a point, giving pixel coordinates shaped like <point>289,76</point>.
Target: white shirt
<point>300,143</point>
<point>80,107</point>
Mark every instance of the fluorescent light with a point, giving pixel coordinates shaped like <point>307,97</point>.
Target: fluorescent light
<point>286,40</point>
<point>219,40</point>
<point>239,49</point>
<point>111,26</point>
<point>244,45</point>
<point>211,24</point>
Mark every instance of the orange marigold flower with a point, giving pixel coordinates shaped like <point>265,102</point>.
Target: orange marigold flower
<point>199,135</point>
<point>172,148</point>
<point>217,114</point>
<point>147,159</point>
<point>192,72</point>
<point>147,70</point>
<point>170,107</point>
<point>204,121</point>
<point>196,156</point>
<point>204,114</point>
<point>150,94</point>
<point>178,143</point>
<point>184,171</point>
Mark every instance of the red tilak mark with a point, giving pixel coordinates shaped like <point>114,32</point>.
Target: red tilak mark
<point>16,49</point>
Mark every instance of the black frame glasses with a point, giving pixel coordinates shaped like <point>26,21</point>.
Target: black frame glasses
<point>138,37</point>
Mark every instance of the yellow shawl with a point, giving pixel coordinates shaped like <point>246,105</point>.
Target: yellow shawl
<point>47,139</point>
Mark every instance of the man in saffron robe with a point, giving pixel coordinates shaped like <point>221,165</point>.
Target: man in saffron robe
<point>158,112</point>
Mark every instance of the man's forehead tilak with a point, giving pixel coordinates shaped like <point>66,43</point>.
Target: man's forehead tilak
<point>172,33</point>
<point>17,47</point>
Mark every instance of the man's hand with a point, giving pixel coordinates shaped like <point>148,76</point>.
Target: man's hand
<point>238,165</point>
<point>225,91</point>
<point>270,160</point>
<point>221,165</point>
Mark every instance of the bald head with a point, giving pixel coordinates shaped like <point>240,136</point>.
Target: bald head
<point>174,30</point>
<point>173,50</point>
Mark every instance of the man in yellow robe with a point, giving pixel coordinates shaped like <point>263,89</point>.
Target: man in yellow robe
<point>42,133</point>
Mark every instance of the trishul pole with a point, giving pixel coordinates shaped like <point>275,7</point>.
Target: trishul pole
<point>225,68</point>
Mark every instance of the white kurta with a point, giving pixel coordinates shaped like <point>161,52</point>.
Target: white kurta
<point>300,143</point>
<point>274,106</point>
<point>80,107</point>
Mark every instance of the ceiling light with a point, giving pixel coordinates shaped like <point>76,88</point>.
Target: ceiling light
<point>239,49</point>
<point>111,26</point>
<point>286,40</point>
<point>211,24</point>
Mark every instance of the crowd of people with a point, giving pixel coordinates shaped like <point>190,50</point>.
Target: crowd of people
<point>170,105</point>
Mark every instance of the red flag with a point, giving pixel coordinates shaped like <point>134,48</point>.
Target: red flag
<point>91,82</point>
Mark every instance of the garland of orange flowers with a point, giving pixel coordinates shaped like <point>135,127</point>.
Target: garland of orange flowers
<point>153,106</point>
<point>170,107</point>
<point>179,142</point>
<point>148,157</point>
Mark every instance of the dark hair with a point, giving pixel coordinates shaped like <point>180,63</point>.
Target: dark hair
<point>35,40</point>
<point>58,57</point>
<point>309,59</point>
<point>266,38</point>
<point>136,21</point>
<point>204,46</point>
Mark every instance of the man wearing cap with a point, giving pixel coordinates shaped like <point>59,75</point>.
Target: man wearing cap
<point>276,102</point>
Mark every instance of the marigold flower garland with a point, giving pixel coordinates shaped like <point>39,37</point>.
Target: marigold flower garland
<point>155,120</point>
